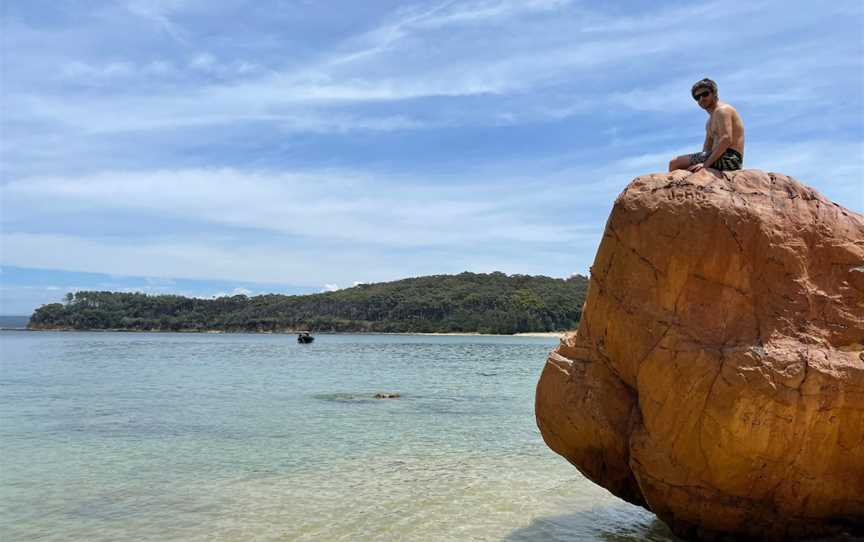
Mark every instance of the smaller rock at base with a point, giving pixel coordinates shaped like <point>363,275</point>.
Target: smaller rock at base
<point>383,395</point>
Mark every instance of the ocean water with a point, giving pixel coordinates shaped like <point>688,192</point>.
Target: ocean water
<point>148,436</point>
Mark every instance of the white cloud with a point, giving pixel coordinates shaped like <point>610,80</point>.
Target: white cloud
<point>159,113</point>
<point>271,262</point>
<point>519,56</point>
<point>450,14</point>
<point>203,62</point>
<point>330,287</point>
<point>160,13</point>
<point>149,73</point>
<point>418,213</point>
<point>365,230</point>
<point>110,70</point>
<point>234,292</point>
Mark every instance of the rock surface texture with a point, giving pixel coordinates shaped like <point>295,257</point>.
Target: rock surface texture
<point>717,375</point>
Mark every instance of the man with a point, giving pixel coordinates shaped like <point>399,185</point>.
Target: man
<point>724,134</point>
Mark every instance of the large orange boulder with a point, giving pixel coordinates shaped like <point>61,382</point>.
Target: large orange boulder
<point>717,375</point>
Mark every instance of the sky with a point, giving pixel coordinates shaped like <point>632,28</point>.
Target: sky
<point>216,148</point>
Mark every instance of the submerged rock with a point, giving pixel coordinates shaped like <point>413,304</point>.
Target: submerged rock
<point>387,395</point>
<point>717,376</point>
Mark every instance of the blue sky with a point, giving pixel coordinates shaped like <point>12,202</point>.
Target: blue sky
<point>209,148</point>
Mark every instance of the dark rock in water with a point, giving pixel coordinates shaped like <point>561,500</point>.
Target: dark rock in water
<point>387,395</point>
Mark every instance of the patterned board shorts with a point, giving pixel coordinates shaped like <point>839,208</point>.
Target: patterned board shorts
<point>730,160</point>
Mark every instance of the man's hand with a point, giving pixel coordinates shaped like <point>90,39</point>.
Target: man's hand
<point>695,167</point>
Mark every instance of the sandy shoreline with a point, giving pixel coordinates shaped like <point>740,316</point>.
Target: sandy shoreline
<point>558,334</point>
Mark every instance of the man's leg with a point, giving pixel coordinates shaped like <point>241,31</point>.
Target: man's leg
<point>681,162</point>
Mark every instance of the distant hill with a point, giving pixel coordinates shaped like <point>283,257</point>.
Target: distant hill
<point>467,302</point>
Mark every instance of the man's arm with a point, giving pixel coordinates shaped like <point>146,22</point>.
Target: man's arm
<point>724,136</point>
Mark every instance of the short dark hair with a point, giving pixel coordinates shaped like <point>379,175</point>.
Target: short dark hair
<point>704,83</point>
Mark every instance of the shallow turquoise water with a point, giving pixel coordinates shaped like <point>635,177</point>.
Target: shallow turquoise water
<point>114,436</point>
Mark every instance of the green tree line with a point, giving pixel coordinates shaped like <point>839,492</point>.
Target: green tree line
<point>467,302</point>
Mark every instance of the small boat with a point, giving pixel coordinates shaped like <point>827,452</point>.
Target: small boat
<point>304,337</point>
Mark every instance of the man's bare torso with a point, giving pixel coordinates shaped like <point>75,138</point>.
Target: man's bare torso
<point>713,129</point>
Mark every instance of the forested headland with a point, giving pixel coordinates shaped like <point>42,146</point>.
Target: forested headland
<point>467,302</point>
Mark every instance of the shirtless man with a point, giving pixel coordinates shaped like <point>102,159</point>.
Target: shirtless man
<point>724,134</point>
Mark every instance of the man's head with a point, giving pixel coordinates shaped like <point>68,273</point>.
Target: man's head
<point>704,92</point>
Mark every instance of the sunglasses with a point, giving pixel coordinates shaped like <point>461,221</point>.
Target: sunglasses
<point>701,95</point>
